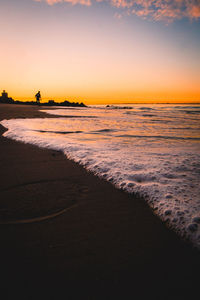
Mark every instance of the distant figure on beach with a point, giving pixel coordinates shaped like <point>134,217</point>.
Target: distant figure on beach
<point>38,97</point>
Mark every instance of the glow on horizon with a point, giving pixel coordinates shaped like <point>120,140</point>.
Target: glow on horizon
<point>99,54</point>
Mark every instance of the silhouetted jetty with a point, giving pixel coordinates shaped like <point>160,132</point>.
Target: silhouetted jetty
<point>5,99</point>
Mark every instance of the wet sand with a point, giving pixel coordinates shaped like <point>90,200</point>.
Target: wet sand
<point>66,234</point>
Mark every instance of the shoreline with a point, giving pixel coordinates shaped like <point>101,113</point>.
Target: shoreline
<point>108,244</point>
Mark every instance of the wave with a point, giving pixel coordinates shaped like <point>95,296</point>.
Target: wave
<point>119,107</point>
<point>103,130</point>
<point>58,132</point>
<point>188,107</point>
<point>158,137</point>
<point>146,108</point>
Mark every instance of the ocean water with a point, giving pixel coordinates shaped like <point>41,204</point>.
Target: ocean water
<point>150,150</point>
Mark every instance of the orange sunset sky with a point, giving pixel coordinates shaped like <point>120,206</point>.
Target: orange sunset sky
<point>115,51</point>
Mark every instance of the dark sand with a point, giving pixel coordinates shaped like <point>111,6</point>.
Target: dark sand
<point>66,234</point>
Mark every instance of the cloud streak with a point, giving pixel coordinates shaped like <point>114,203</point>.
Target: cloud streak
<point>158,10</point>
<point>73,2</point>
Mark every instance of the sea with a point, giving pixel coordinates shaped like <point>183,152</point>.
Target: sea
<point>152,151</point>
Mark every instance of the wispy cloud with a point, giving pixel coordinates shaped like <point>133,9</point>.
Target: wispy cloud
<point>159,10</point>
<point>73,2</point>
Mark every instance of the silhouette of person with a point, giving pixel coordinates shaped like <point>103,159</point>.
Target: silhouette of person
<point>38,97</point>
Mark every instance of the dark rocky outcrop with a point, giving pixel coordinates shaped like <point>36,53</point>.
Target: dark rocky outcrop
<point>5,99</point>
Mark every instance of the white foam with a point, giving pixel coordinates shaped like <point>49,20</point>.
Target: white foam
<point>128,149</point>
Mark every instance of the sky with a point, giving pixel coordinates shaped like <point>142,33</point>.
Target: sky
<point>101,51</point>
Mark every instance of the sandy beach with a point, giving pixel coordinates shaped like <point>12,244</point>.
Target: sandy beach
<point>67,234</point>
